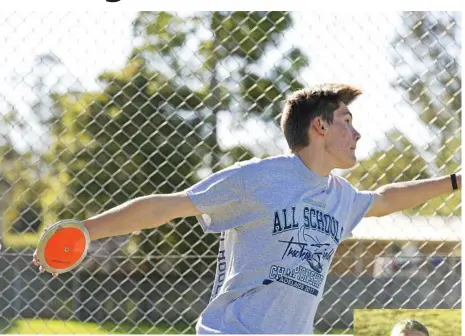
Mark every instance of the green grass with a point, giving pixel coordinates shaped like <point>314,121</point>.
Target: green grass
<point>379,322</point>
<point>41,326</point>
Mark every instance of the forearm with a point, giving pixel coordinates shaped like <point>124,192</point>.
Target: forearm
<point>404,195</point>
<point>138,214</point>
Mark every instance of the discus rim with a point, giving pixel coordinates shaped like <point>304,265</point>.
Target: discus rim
<point>50,232</point>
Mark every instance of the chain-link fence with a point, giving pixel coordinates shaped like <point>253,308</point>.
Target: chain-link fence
<point>99,108</point>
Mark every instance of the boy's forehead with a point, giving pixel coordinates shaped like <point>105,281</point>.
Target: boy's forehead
<point>342,110</point>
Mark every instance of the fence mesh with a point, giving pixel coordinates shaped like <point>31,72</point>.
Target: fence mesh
<point>99,108</point>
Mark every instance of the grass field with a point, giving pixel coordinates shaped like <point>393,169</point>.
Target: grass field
<point>379,322</point>
<point>37,326</point>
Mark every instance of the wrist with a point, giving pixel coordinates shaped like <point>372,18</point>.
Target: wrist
<point>456,181</point>
<point>90,230</point>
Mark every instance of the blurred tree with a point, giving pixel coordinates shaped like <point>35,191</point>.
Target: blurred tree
<point>21,201</point>
<point>125,142</point>
<point>426,56</point>
<point>226,54</point>
<point>154,125</point>
<point>30,193</point>
<point>433,86</point>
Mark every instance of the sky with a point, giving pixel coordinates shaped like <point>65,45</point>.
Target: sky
<point>343,47</point>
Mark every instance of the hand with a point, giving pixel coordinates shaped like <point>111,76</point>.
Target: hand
<point>36,262</point>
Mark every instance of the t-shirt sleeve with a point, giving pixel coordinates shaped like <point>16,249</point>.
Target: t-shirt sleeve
<point>219,198</point>
<point>360,203</point>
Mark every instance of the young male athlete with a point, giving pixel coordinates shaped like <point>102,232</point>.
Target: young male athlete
<point>281,218</point>
<point>409,328</point>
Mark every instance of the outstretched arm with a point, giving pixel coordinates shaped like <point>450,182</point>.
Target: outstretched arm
<point>141,213</point>
<point>403,195</point>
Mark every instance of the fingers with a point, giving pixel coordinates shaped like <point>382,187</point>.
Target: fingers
<point>42,270</point>
<point>36,262</point>
<point>35,259</point>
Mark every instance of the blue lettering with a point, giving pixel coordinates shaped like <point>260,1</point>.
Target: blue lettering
<point>286,227</point>
<point>301,253</point>
<point>273,272</point>
<point>290,273</point>
<point>319,218</point>
<point>294,224</point>
<point>327,224</point>
<point>333,228</point>
<point>310,280</point>
<point>338,239</point>
<point>306,217</point>
<point>221,270</point>
<point>277,223</point>
<point>327,255</point>
<point>313,218</point>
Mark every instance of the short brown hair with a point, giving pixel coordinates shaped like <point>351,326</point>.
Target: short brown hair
<point>409,325</point>
<point>306,104</point>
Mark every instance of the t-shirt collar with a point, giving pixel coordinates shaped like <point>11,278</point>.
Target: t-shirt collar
<point>315,179</point>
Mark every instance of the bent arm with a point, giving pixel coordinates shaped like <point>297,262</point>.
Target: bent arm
<point>403,195</point>
<point>141,213</point>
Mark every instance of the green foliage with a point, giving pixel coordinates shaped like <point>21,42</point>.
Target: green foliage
<point>266,94</point>
<point>398,163</point>
<point>433,90</point>
<point>431,85</point>
<point>24,195</point>
<point>153,125</point>
<point>125,142</point>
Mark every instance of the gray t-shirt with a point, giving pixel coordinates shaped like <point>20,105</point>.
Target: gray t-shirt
<point>280,226</point>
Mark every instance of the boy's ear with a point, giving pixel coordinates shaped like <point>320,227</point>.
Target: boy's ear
<point>319,125</point>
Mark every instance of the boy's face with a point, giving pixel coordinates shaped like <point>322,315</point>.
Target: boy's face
<point>342,138</point>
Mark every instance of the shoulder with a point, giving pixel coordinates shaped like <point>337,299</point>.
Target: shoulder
<point>342,182</point>
<point>260,171</point>
<point>271,162</point>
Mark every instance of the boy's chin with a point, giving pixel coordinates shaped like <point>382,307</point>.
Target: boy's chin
<point>348,164</point>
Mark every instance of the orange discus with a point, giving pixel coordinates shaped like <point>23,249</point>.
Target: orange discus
<point>63,246</point>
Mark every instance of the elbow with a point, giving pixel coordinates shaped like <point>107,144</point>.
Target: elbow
<point>383,205</point>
